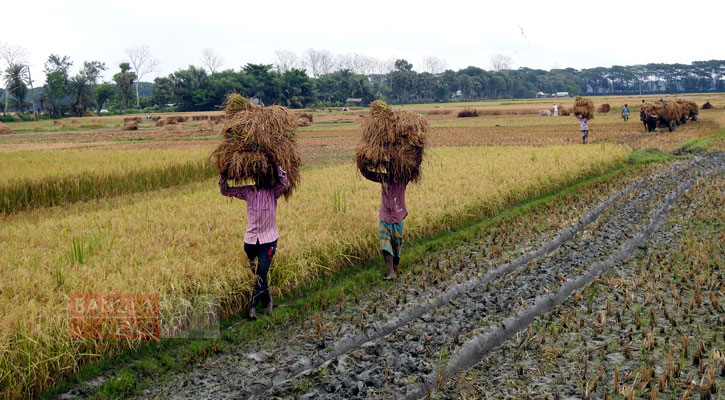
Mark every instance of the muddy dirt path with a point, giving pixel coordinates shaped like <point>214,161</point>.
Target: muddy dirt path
<point>435,332</point>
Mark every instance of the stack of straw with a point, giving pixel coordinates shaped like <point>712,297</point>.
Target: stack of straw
<point>584,108</point>
<point>4,129</point>
<point>707,105</point>
<point>130,125</point>
<point>392,142</point>
<point>689,107</point>
<point>254,139</point>
<point>669,111</point>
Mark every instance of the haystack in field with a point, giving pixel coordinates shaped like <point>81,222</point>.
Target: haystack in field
<point>392,141</point>
<point>303,122</point>
<point>4,129</point>
<point>563,111</point>
<point>604,108</point>
<point>172,128</point>
<point>130,126</point>
<point>205,126</point>
<point>468,112</point>
<point>584,108</point>
<point>156,118</point>
<point>57,123</point>
<point>307,116</point>
<point>255,138</point>
<point>161,123</point>
<point>707,105</point>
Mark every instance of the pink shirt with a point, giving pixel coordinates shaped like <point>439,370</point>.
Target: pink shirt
<point>392,202</point>
<point>261,208</point>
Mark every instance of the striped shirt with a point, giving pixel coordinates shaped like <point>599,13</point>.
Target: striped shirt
<point>583,125</point>
<point>261,208</point>
<point>392,203</point>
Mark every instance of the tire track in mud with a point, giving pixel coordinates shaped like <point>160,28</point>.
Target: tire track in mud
<point>477,316</point>
<point>446,332</point>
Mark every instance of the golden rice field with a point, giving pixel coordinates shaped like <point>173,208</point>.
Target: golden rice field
<point>189,240</point>
<point>89,208</point>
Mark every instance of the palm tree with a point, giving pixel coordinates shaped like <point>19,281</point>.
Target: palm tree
<point>16,78</point>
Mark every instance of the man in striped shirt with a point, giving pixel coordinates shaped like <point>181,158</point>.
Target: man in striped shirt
<point>260,239</point>
<point>392,213</point>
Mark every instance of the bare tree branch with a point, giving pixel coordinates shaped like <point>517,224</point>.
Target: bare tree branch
<point>500,62</point>
<point>286,60</point>
<point>142,63</point>
<point>434,65</point>
<point>211,60</point>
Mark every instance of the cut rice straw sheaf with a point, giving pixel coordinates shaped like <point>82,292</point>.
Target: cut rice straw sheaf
<point>392,141</point>
<point>252,134</point>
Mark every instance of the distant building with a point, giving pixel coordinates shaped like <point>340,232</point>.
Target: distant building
<point>541,94</point>
<point>561,94</point>
<point>354,100</point>
<point>457,94</point>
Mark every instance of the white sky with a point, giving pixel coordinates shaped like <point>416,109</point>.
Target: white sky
<point>578,34</point>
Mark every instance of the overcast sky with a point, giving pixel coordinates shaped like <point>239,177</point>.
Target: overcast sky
<point>535,34</point>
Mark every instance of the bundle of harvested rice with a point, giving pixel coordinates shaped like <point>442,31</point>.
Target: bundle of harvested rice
<point>57,123</point>
<point>161,122</point>
<point>133,119</point>
<point>4,129</point>
<point>155,118</point>
<point>688,107</point>
<point>130,126</point>
<point>468,112</point>
<point>171,121</point>
<point>307,116</point>
<point>172,128</point>
<point>584,108</point>
<point>669,111</point>
<point>392,141</point>
<point>707,105</point>
<point>303,122</point>
<point>74,121</point>
<point>563,111</point>
<point>205,126</point>
<point>255,138</point>
<point>604,108</point>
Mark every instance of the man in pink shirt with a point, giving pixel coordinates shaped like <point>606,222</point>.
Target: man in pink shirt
<point>392,213</point>
<point>260,239</point>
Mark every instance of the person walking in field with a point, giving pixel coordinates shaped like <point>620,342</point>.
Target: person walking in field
<point>625,113</point>
<point>392,213</point>
<point>556,110</point>
<point>260,239</point>
<point>584,127</point>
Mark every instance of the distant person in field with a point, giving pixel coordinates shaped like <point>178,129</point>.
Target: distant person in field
<point>556,110</point>
<point>260,239</point>
<point>625,113</point>
<point>584,127</point>
<point>392,213</point>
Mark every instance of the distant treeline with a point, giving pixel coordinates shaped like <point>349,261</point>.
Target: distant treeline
<point>194,89</point>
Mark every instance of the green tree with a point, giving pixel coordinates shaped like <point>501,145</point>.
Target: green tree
<point>163,91</point>
<point>16,80</point>
<point>124,84</point>
<point>83,87</point>
<point>104,92</point>
<point>56,84</point>
<point>296,89</point>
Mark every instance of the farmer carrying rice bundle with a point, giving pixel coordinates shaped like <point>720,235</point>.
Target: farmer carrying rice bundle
<point>258,148</point>
<point>583,111</point>
<point>390,152</point>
